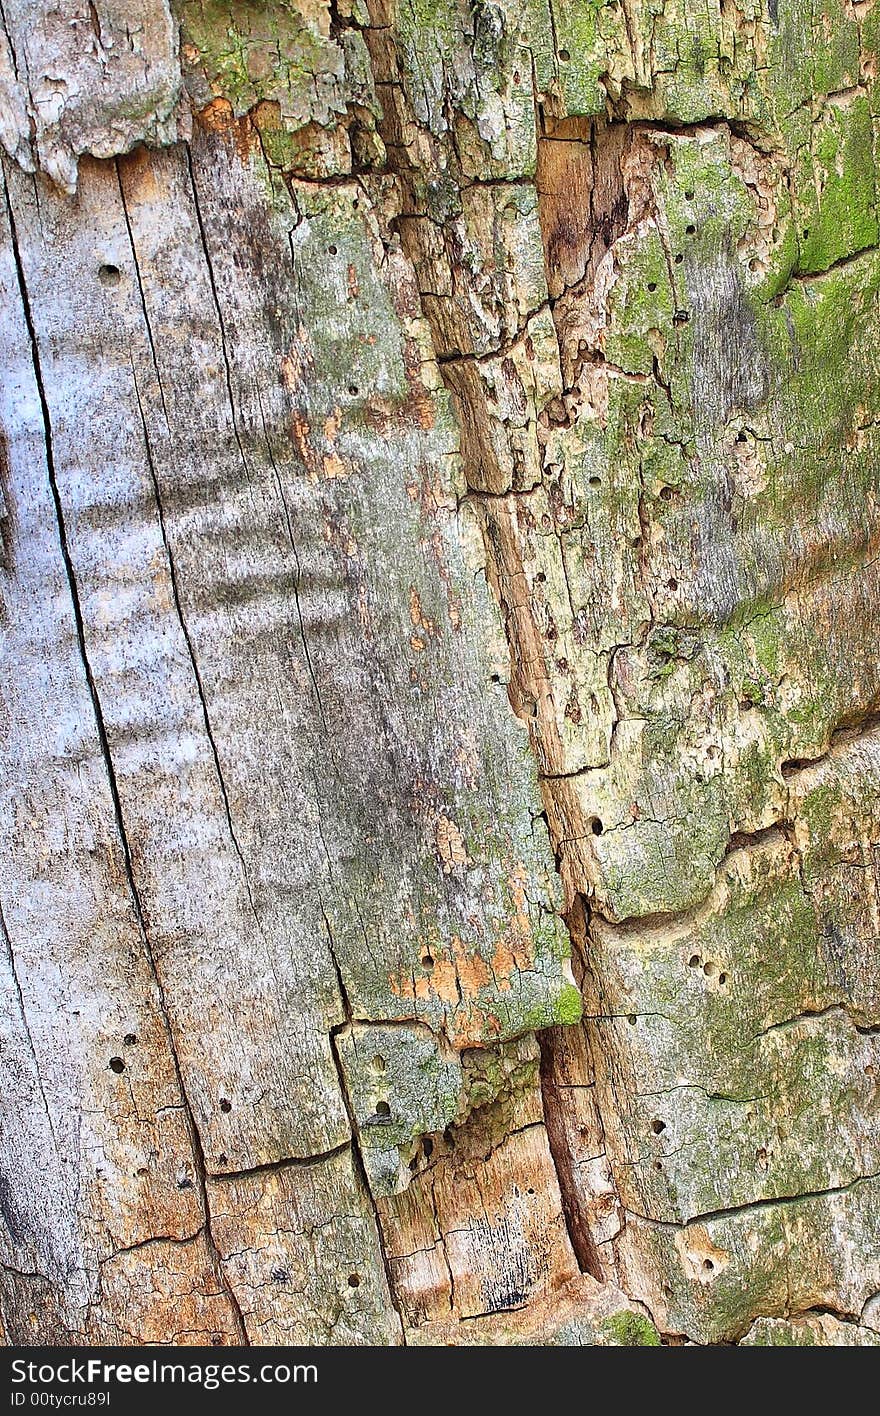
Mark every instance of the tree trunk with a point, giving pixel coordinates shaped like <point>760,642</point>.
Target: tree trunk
<point>440,595</point>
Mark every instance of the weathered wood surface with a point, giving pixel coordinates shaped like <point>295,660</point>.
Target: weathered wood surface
<point>445,454</point>
<point>80,78</point>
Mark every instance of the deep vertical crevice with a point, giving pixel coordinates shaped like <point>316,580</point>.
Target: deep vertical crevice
<point>583,208</point>
<point>580,1236</point>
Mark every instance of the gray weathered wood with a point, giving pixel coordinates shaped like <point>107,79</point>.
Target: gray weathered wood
<point>444,450</point>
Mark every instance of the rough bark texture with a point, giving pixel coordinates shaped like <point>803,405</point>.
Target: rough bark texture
<point>440,791</point>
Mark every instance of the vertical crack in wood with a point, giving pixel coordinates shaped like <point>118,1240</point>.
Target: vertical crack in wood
<point>216,298</point>
<point>582,1242</point>
<point>583,209</point>
<point>195,1139</point>
<point>356,1153</point>
<point>175,595</point>
<point>13,969</point>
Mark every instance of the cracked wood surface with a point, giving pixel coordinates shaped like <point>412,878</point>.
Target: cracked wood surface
<point>452,455</point>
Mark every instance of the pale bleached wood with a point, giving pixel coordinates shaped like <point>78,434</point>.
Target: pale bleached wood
<point>225,968</point>
<point>95,1122</point>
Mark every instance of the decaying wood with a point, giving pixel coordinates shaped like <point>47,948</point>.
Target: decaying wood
<point>441,758</point>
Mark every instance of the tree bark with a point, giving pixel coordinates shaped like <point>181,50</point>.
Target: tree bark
<point>440,789</point>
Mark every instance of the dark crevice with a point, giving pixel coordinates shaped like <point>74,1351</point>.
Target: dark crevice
<point>582,1242</point>
<point>754,840</point>
<point>849,730</point>
<point>493,1312</point>
<point>147,1243</point>
<point>671,919</point>
<point>285,1162</point>
<point>507,346</point>
<point>803,277</point>
<point>13,55</point>
<point>753,1206</point>
<point>806,1015</point>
